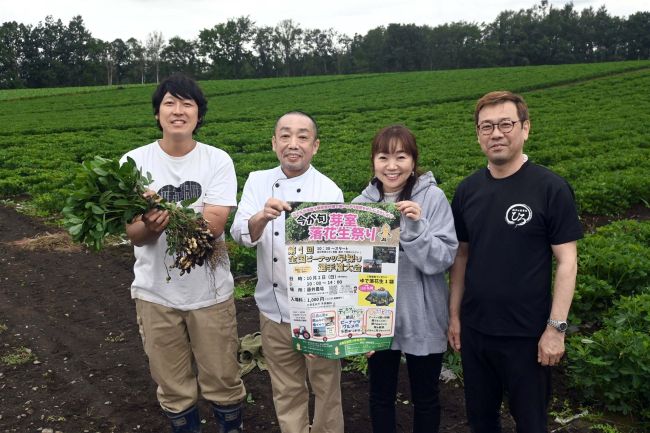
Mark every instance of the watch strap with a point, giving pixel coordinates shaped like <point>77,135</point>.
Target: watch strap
<point>560,325</point>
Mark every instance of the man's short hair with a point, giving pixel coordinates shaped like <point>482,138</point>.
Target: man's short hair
<point>501,97</point>
<point>301,113</point>
<point>180,86</point>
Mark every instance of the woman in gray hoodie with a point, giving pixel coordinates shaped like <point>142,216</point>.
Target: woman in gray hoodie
<point>427,249</point>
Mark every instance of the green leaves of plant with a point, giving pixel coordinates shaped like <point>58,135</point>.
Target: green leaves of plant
<point>107,196</point>
<point>187,202</point>
<point>75,230</point>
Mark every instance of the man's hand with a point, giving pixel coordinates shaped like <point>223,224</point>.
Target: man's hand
<point>147,228</point>
<point>273,208</point>
<point>550,347</point>
<point>453,333</point>
<point>156,220</point>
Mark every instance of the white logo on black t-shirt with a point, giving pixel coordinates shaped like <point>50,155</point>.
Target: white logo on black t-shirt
<point>518,215</point>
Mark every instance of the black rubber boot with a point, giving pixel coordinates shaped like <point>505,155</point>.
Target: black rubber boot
<point>187,421</point>
<point>229,418</point>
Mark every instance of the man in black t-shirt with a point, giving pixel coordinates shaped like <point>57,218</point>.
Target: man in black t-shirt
<point>511,219</point>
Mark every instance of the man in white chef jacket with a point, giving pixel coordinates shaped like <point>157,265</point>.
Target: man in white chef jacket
<point>259,222</point>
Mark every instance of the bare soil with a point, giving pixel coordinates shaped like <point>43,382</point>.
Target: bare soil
<point>88,372</point>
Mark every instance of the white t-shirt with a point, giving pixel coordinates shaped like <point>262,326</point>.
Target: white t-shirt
<point>208,174</point>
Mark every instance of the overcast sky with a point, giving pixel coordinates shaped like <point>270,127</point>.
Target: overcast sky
<point>111,19</point>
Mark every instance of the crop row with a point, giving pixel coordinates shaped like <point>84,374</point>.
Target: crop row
<point>609,352</point>
<point>263,99</point>
<point>592,131</point>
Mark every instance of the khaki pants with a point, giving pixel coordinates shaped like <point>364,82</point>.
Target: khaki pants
<point>289,370</point>
<point>174,340</point>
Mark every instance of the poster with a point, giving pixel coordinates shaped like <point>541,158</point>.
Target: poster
<point>342,264</point>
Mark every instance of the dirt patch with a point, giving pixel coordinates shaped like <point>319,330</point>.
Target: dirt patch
<point>58,241</point>
<point>87,371</point>
<point>637,212</point>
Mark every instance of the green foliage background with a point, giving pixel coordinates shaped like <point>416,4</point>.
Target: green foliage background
<point>612,365</point>
<point>589,124</point>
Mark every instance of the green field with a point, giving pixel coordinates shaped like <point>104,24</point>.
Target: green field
<point>589,123</point>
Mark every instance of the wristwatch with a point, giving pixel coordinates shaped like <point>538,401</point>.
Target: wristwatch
<point>560,325</point>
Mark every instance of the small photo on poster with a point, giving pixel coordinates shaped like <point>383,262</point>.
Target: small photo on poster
<point>323,325</point>
<point>372,265</point>
<point>377,290</point>
<point>384,254</point>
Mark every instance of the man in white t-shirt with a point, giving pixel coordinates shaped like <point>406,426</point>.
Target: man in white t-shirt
<point>259,222</point>
<point>189,319</point>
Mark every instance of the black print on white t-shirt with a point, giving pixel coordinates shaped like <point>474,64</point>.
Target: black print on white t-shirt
<point>185,191</point>
<point>518,214</point>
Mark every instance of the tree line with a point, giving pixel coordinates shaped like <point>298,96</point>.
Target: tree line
<point>53,54</point>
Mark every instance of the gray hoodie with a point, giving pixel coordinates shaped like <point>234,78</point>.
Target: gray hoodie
<point>427,249</point>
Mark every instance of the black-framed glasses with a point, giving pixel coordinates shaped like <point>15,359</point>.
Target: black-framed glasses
<point>505,126</point>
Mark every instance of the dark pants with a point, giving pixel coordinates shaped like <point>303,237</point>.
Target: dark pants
<point>424,374</point>
<point>494,365</point>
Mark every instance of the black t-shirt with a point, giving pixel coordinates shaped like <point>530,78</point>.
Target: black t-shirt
<point>510,225</point>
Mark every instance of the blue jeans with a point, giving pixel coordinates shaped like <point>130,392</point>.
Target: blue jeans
<point>424,374</point>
